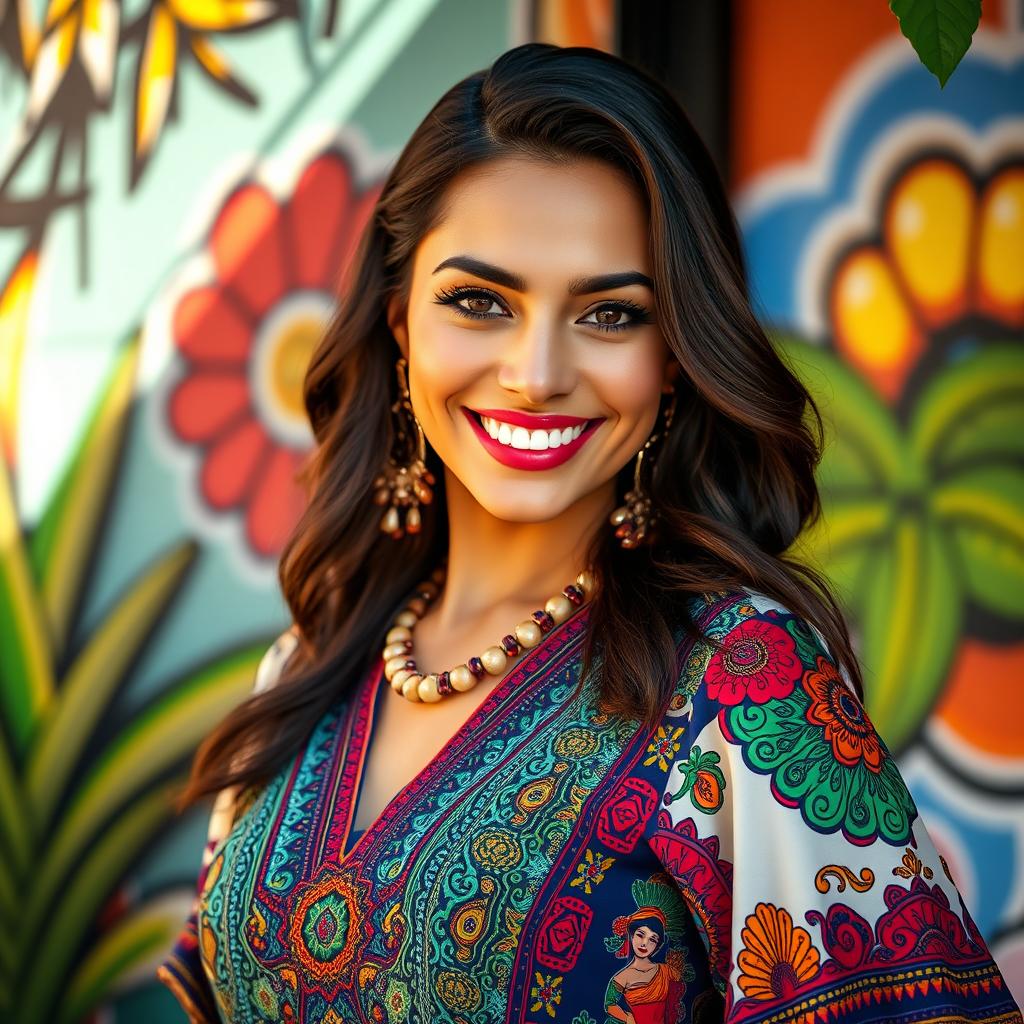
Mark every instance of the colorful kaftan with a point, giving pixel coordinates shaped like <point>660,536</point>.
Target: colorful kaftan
<point>754,857</point>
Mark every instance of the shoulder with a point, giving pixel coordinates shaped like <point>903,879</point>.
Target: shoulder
<point>273,661</point>
<point>761,648</point>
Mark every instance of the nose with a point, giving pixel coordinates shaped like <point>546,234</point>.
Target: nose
<point>537,362</point>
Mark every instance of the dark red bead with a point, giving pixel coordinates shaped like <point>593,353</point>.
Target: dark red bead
<point>476,666</point>
<point>544,620</point>
<point>574,593</point>
<point>410,662</point>
<point>510,645</point>
<point>444,683</point>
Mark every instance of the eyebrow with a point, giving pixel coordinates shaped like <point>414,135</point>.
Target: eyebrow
<point>578,286</point>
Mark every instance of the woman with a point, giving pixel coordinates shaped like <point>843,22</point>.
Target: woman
<point>545,413</point>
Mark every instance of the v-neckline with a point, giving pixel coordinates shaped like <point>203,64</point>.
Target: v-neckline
<point>366,703</point>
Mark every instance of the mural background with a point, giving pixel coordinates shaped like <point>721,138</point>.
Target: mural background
<point>181,184</point>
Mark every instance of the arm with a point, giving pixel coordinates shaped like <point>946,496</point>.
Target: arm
<point>798,848</point>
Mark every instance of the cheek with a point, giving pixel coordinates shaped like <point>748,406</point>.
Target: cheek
<point>629,379</point>
<point>446,358</point>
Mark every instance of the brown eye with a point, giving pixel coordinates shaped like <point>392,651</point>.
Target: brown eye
<point>482,304</point>
<point>608,316</point>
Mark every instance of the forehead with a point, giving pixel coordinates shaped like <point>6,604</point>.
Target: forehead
<point>542,219</point>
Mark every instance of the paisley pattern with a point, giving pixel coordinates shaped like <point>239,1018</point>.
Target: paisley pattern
<point>754,856</point>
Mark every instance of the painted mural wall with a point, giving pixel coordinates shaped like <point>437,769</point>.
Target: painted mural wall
<point>884,222</point>
<point>181,184</point>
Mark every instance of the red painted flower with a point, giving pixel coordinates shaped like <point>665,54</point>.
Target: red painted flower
<point>247,337</point>
<point>759,661</point>
<point>847,726</point>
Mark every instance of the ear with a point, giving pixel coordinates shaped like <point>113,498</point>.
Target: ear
<point>396,317</point>
<point>671,373</point>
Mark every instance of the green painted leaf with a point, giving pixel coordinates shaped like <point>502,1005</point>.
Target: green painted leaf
<point>145,931</point>
<point>94,677</point>
<point>164,733</point>
<point>972,410</point>
<point>981,509</point>
<point>48,958</point>
<point>26,668</point>
<point>910,625</point>
<point>66,533</point>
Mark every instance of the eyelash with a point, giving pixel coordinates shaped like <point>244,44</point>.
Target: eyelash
<point>452,296</point>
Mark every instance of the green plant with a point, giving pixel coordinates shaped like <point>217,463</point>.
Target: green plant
<point>84,789</point>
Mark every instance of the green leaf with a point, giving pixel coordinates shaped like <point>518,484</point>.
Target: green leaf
<point>66,533</point>
<point>94,677</point>
<point>143,932</point>
<point>910,621</point>
<point>939,30</point>
<point>980,509</point>
<point>160,736</point>
<point>865,452</point>
<point>26,668</point>
<point>41,979</point>
<point>973,410</point>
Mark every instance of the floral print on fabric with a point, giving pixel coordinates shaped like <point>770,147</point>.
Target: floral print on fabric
<point>555,863</point>
<point>824,757</point>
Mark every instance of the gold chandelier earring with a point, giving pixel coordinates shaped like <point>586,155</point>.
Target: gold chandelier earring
<point>406,482</point>
<point>635,520</point>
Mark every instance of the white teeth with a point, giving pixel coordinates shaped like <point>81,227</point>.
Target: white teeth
<point>532,440</point>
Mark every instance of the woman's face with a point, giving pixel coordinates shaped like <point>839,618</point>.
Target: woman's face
<point>645,941</point>
<point>531,306</point>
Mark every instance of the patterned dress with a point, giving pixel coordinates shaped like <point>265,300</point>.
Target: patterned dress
<point>755,856</point>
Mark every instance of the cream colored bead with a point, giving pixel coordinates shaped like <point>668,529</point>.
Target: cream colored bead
<point>559,608</point>
<point>427,689</point>
<point>462,679</point>
<point>406,618</point>
<point>392,665</point>
<point>494,660</point>
<point>586,580</point>
<point>417,605</point>
<point>528,633</point>
<point>397,633</point>
<point>400,677</point>
<point>410,688</point>
<point>395,650</point>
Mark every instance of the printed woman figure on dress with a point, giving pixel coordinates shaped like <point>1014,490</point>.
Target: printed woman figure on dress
<point>549,643</point>
<point>651,984</point>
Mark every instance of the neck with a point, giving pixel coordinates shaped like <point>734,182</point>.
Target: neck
<point>496,566</point>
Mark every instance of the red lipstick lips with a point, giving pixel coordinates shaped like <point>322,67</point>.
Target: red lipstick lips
<point>524,458</point>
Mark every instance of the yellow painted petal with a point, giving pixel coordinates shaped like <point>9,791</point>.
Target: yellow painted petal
<point>927,226</point>
<point>156,78</point>
<point>28,27</point>
<point>217,15</point>
<point>56,10</point>
<point>15,301</point>
<point>50,66</point>
<point>210,57</point>
<point>874,329</point>
<point>1001,247</point>
<point>97,43</point>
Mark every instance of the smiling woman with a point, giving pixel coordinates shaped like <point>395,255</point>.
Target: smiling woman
<point>576,739</point>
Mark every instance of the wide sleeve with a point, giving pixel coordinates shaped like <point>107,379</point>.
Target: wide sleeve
<point>809,874</point>
<point>182,970</point>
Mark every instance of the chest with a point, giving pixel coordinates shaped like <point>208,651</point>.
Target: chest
<point>496,879</point>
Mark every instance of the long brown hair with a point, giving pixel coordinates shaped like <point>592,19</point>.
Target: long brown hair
<point>733,480</point>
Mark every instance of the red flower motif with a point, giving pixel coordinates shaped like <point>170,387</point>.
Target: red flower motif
<point>847,726</point>
<point>759,660</point>
<point>563,932</point>
<point>247,337</point>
